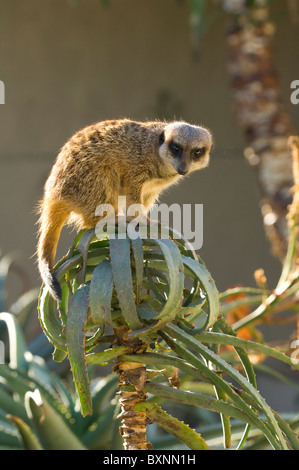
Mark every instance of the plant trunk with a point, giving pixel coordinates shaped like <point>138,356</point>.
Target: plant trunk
<point>260,114</point>
<point>134,423</point>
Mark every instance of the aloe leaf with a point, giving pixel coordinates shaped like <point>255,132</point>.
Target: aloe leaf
<point>95,339</point>
<point>48,319</point>
<point>146,310</point>
<point>9,435</point>
<point>217,338</point>
<point>99,435</point>
<point>53,432</point>
<point>122,276</point>
<point>49,383</point>
<point>162,360</point>
<point>215,359</point>
<point>100,293</point>
<point>19,383</point>
<point>175,277</point>
<point>65,266</point>
<point>209,287</point>
<point>152,286</point>
<point>59,355</point>
<point>75,337</point>
<point>64,302</point>
<point>17,345</point>
<point>194,307</point>
<point>248,367</point>
<point>225,420</point>
<point>221,395</point>
<point>117,441</point>
<point>197,399</point>
<point>30,440</point>
<point>82,247</point>
<point>172,425</point>
<point>231,292</point>
<point>228,306</point>
<point>183,243</point>
<point>290,434</point>
<point>137,247</point>
<point>104,357</point>
<point>171,339</point>
<point>11,406</point>
<point>102,391</point>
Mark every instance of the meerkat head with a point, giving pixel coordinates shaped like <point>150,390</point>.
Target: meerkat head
<point>185,148</point>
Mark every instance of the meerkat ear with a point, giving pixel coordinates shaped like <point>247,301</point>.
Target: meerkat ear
<point>161,138</point>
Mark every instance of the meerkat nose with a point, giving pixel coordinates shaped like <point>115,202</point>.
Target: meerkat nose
<point>182,171</point>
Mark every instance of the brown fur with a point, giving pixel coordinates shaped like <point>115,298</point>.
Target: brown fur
<point>107,160</point>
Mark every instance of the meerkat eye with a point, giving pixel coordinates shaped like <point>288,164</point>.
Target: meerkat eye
<point>176,149</point>
<point>197,153</point>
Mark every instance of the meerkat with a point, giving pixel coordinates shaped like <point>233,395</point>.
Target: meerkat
<point>110,159</point>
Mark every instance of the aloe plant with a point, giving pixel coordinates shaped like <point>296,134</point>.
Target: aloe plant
<point>150,308</point>
<point>39,409</point>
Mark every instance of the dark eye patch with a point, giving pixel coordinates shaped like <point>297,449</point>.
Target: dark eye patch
<point>176,149</point>
<point>198,153</point>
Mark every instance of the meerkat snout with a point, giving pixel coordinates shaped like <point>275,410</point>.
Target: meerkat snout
<point>182,170</point>
<point>185,147</point>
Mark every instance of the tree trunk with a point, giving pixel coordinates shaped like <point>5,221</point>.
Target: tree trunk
<point>134,423</point>
<point>260,114</point>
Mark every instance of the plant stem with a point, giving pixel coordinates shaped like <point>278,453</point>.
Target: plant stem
<point>134,423</point>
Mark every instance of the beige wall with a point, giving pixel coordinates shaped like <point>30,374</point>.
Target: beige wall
<point>67,66</point>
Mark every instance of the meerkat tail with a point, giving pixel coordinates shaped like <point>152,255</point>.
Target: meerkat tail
<point>53,217</point>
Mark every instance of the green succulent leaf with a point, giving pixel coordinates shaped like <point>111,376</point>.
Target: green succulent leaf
<point>29,438</point>
<point>175,278</point>
<point>9,435</point>
<point>106,356</point>
<point>100,293</point>
<point>121,268</point>
<point>48,320</point>
<point>10,405</point>
<point>83,246</point>
<point>53,432</point>
<point>75,337</point>
<point>137,247</point>
<point>209,288</point>
<point>174,426</point>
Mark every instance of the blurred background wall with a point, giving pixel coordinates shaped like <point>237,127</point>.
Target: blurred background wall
<point>66,64</point>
